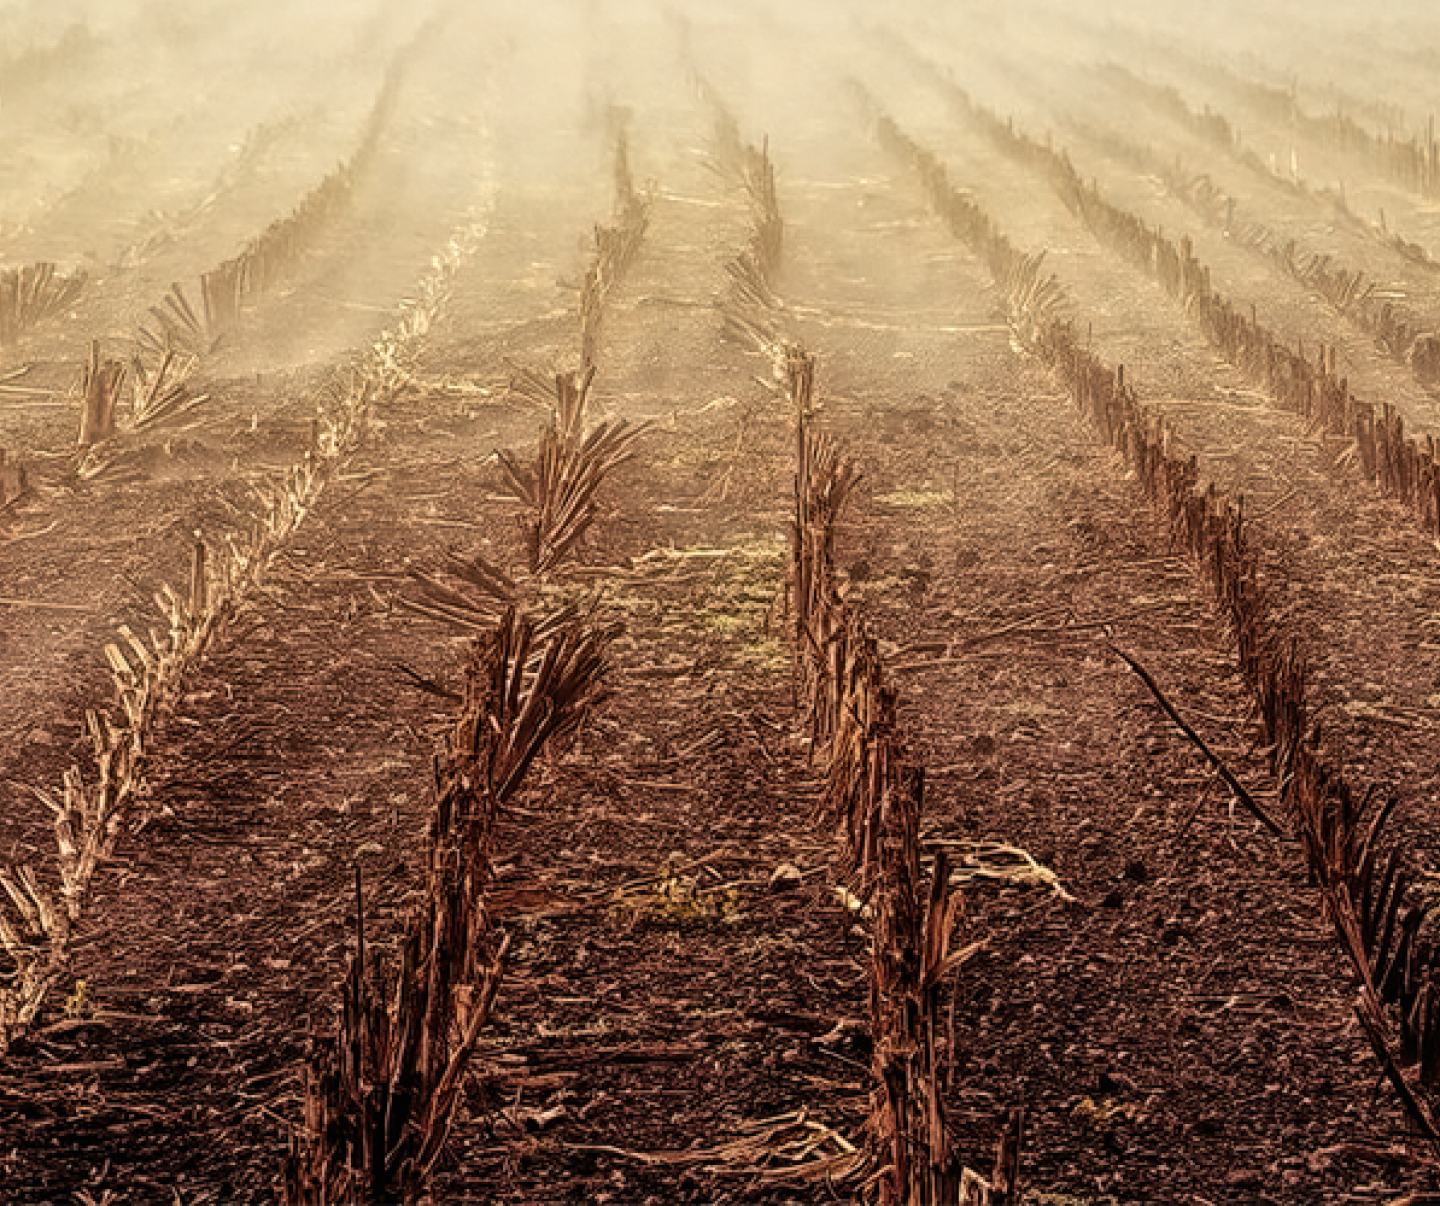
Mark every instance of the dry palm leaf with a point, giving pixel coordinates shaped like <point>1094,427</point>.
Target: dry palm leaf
<point>31,294</point>
<point>162,398</point>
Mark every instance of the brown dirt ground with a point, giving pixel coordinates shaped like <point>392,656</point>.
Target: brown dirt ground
<point>1179,1032</point>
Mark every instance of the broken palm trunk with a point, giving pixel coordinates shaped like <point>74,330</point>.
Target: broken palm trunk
<point>179,326</point>
<point>100,385</point>
<point>381,1096</point>
<point>162,397</point>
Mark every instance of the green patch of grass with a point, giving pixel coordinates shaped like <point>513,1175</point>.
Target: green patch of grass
<point>767,655</point>
<point>727,623</point>
<point>675,899</point>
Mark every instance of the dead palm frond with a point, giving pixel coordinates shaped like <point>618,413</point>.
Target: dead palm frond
<point>177,324</point>
<point>749,309</point>
<point>727,145</point>
<point>110,463</point>
<point>162,397</point>
<point>616,246</point>
<point>477,596</point>
<point>382,1094</point>
<point>547,672</point>
<point>561,484</point>
<point>765,216</point>
<point>749,283</point>
<point>31,294</point>
<point>1032,297</point>
<point>531,385</point>
<point>615,250</point>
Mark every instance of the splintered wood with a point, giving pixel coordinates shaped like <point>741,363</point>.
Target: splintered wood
<point>380,1095</point>
<point>874,795</point>
<point>12,481</point>
<point>100,387</point>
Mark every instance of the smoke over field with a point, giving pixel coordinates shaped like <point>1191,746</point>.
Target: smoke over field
<point>646,601</point>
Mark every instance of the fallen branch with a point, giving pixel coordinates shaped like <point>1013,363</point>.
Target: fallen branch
<point>1237,788</point>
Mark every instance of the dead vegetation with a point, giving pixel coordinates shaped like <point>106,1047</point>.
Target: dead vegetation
<point>381,1095</point>
<point>100,386</point>
<point>873,791</point>
<point>104,798</point>
<point>587,986</point>
<point>113,419</point>
<point>1341,828</point>
<point>1401,465</point>
<point>616,245</point>
<point>32,295</point>
<point>1216,129</point>
<point>752,273</point>
<point>189,325</point>
<point>560,486</point>
<point>751,305</point>
<point>179,324</point>
<point>176,324</point>
<point>1398,331</point>
<point>161,397</point>
<point>874,795</point>
<point>1410,161</point>
<point>165,229</point>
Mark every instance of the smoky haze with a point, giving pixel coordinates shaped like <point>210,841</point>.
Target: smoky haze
<point>663,601</point>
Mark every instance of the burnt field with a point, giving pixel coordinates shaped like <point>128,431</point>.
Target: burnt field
<point>652,602</point>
